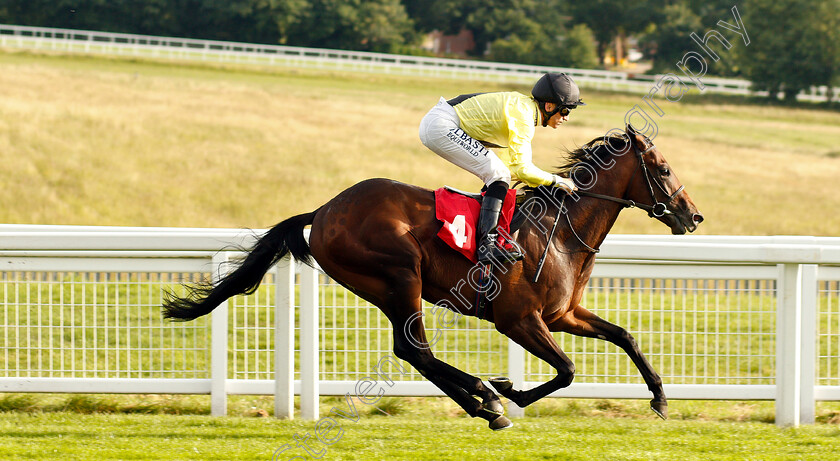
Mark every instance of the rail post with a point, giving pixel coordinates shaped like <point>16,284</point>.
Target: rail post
<point>516,373</point>
<point>284,340</point>
<point>789,345</point>
<point>810,310</point>
<point>219,344</point>
<point>309,391</point>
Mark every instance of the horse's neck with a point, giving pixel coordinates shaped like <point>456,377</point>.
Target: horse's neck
<point>593,218</point>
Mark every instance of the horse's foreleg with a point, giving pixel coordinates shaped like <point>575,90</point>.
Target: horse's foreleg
<point>582,322</point>
<point>410,344</point>
<point>533,335</point>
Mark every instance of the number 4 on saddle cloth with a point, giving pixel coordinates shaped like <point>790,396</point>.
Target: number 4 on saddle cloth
<point>459,213</point>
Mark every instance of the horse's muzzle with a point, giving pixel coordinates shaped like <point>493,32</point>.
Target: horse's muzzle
<point>696,219</point>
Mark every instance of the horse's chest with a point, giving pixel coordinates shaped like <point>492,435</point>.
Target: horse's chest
<point>567,290</point>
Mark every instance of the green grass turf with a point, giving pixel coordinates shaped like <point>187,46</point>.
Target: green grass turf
<point>111,436</point>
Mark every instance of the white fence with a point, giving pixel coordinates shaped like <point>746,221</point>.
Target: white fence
<point>83,41</point>
<point>739,318</point>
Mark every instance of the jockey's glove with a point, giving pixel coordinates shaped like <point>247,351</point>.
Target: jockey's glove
<point>565,183</point>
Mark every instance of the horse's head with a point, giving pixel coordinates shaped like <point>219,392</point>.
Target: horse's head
<point>656,183</point>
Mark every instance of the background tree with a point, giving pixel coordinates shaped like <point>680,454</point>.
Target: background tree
<point>710,12</point>
<point>495,19</point>
<point>829,43</point>
<point>612,20</point>
<point>791,47</point>
<point>571,48</point>
<point>517,25</point>
<point>577,49</point>
<point>668,38</point>
<point>366,25</point>
<point>448,16</point>
<point>111,16</point>
<point>252,21</point>
<point>256,21</point>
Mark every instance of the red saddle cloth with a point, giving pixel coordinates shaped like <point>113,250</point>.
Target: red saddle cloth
<point>459,215</point>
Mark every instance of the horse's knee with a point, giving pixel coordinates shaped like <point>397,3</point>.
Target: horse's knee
<point>403,352</point>
<point>418,357</point>
<point>565,376</point>
<point>625,340</point>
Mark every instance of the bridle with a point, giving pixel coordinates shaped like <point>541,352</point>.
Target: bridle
<point>658,209</point>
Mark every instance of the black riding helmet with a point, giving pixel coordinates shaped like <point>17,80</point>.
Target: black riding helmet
<point>559,89</point>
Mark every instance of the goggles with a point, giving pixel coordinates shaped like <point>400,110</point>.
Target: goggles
<point>562,110</point>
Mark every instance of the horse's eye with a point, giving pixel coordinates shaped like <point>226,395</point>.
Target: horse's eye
<point>664,171</point>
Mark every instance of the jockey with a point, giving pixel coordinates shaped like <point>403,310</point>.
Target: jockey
<point>461,129</point>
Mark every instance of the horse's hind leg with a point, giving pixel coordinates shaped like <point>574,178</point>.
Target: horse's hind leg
<point>582,322</point>
<point>533,335</point>
<point>410,344</point>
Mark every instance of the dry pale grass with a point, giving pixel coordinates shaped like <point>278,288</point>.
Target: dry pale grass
<point>115,142</point>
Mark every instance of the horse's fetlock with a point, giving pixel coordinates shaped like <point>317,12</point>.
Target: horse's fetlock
<point>517,397</point>
<point>656,384</point>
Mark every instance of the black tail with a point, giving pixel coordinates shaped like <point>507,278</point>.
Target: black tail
<point>280,240</point>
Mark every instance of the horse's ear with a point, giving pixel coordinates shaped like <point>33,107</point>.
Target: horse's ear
<point>635,137</point>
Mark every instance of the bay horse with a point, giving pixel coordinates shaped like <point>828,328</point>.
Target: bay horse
<point>378,239</point>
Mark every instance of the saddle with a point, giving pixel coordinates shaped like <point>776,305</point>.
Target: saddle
<point>518,214</point>
<point>458,211</point>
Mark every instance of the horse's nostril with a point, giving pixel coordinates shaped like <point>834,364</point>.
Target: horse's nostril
<point>697,218</point>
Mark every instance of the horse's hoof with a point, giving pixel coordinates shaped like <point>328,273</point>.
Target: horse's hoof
<point>501,383</point>
<point>500,423</point>
<point>660,407</point>
<point>493,407</point>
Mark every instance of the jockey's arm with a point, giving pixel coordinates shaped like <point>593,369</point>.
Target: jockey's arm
<point>524,170</point>
<point>521,129</point>
<point>533,176</point>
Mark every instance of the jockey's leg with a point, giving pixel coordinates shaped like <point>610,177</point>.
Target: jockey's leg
<point>441,132</point>
<point>488,220</point>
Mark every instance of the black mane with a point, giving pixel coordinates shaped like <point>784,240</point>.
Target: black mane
<point>587,153</point>
<point>595,154</point>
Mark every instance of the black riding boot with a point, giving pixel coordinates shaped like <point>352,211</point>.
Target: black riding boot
<point>488,220</point>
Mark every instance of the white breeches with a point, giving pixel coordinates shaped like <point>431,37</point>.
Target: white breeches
<point>441,132</point>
